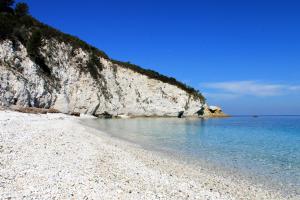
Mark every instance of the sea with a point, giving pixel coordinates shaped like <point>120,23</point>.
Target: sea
<point>263,148</point>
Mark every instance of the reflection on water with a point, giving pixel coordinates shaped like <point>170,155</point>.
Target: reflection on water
<point>264,146</point>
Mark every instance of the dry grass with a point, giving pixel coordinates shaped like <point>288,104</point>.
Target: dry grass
<point>35,110</point>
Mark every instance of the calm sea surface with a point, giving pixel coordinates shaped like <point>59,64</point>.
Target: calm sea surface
<point>265,148</point>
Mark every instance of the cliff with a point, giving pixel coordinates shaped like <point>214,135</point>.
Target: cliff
<point>54,70</point>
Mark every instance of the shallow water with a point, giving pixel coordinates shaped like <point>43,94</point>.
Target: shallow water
<point>265,148</point>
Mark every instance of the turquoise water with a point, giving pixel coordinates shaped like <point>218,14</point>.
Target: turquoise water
<point>265,148</point>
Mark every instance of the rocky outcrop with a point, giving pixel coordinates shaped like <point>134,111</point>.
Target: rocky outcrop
<point>213,111</point>
<point>71,87</point>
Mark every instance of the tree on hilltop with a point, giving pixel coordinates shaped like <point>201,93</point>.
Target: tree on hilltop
<point>21,9</point>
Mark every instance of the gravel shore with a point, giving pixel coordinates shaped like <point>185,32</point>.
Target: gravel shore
<point>54,156</point>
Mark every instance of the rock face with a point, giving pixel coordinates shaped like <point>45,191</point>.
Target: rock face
<point>71,88</point>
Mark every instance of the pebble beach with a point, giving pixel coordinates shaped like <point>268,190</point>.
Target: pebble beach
<point>55,156</point>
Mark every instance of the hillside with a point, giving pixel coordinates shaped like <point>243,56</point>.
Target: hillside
<point>45,68</point>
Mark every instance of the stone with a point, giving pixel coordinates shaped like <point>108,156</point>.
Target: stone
<point>76,114</point>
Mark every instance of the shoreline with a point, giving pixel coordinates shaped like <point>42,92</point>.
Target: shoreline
<point>194,163</point>
<point>55,156</point>
<point>257,184</point>
<point>33,110</point>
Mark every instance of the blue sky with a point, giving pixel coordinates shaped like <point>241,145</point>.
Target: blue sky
<point>243,55</point>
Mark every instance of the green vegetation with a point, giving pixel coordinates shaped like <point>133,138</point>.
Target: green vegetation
<point>94,66</point>
<point>33,45</point>
<point>6,28</point>
<point>17,25</point>
<point>19,21</point>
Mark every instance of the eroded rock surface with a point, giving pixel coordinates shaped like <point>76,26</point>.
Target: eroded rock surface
<point>72,87</point>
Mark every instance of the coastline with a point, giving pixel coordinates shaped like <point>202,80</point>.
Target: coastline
<point>56,156</point>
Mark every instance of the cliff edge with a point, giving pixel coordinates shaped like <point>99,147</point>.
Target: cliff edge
<point>43,68</point>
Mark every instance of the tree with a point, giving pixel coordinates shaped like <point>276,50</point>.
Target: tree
<point>5,5</point>
<point>21,9</point>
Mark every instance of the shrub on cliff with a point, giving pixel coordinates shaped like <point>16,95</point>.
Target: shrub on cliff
<point>6,27</point>
<point>94,66</point>
<point>33,45</point>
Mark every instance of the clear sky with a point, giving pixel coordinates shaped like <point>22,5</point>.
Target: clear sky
<point>243,55</point>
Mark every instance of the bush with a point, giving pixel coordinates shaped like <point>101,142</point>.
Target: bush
<point>20,35</point>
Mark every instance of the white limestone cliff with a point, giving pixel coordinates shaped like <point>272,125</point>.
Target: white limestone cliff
<point>71,88</point>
